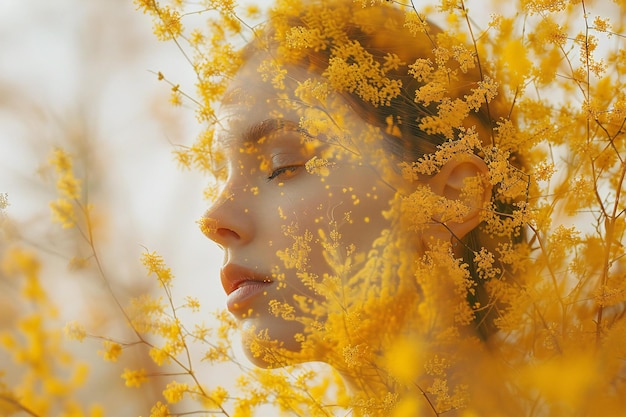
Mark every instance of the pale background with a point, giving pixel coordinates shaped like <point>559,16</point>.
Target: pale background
<point>77,74</point>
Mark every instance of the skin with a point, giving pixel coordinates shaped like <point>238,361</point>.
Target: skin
<point>267,188</point>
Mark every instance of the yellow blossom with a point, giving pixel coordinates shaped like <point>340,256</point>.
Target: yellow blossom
<point>63,212</point>
<point>168,24</point>
<point>112,351</point>
<point>175,96</point>
<point>61,161</point>
<point>175,391</point>
<point>192,303</point>
<point>134,378</point>
<point>405,360</point>
<point>75,331</point>
<point>318,166</point>
<point>160,356</point>
<point>216,397</point>
<point>155,264</point>
<point>564,381</point>
<point>515,57</point>
<point>160,410</point>
<point>69,186</point>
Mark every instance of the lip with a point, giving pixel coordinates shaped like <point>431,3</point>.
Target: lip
<point>242,285</point>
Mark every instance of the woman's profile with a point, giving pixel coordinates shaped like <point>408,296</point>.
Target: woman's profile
<point>349,207</point>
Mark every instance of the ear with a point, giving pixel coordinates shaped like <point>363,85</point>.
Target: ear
<point>457,180</point>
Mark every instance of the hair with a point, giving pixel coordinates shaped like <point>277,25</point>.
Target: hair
<point>380,30</point>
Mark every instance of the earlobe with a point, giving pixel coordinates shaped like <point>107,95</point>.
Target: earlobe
<point>464,179</point>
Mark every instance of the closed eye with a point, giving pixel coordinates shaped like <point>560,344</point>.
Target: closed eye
<point>284,172</point>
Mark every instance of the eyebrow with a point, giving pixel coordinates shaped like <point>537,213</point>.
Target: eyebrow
<point>258,131</point>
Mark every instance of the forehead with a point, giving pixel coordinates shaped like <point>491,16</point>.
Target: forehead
<point>255,106</point>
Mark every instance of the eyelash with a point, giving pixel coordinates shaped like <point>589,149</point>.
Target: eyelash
<point>283,170</point>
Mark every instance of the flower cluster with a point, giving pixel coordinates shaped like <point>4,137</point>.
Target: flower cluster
<point>48,379</point>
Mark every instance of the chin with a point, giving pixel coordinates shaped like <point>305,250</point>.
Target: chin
<point>275,346</point>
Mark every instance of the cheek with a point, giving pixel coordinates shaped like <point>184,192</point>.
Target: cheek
<point>358,208</point>
<point>347,218</point>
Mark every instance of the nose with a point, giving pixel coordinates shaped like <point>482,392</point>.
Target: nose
<point>227,222</point>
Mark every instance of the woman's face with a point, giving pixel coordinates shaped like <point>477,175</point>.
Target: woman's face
<point>282,224</point>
